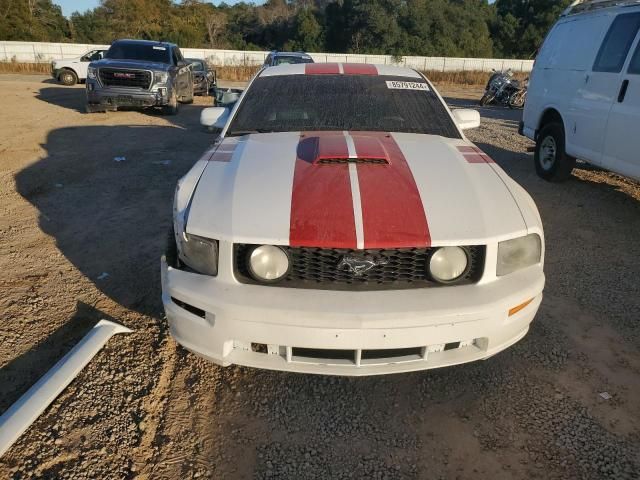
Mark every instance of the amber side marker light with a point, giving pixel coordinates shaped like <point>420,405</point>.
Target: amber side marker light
<point>515,310</point>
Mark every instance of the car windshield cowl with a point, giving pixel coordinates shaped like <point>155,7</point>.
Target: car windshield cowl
<point>298,103</point>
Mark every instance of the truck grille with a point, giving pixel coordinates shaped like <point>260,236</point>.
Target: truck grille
<point>116,77</point>
<point>318,268</point>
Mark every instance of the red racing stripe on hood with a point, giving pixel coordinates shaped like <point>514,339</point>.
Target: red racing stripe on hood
<point>321,202</point>
<point>359,69</point>
<point>322,69</point>
<point>393,215</point>
<point>473,154</point>
<point>224,152</point>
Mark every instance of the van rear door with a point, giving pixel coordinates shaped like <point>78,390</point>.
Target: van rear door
<point>622,142</point>
<point>595,97</point>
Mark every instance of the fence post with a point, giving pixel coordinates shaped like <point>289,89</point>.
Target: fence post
<point>444,64</point>
<point>33,47</point>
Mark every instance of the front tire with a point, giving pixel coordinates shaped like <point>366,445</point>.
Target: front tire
<point>551,160</point>
<point>486,99</point>
<point>68,77</point>
<point>172,107</point>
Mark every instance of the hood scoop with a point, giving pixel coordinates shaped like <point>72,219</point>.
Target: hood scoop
<point>342,161</point>
<point>332,148</point>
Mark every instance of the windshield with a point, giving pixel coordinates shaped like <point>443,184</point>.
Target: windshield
<point>290,59</point>
<point>139,51</point>
<point>292,103</point>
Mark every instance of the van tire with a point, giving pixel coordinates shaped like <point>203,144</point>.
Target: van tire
<point>550,158</point>
<point>68,77</point>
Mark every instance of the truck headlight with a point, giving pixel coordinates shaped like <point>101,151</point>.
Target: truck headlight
<point>92,73</point>
<point>518,253</point>
<point>160,77</point>
<point>199,253</point>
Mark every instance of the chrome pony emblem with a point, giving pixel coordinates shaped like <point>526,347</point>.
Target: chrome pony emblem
<point>360,265</point>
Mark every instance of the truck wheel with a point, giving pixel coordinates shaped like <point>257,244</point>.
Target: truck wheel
<point>551,161</point>
<point>172,107</point>
<point>188,99</point>
<point>68,77</point>
<point>92,108</point>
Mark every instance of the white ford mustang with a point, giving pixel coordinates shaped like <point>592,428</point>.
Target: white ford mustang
<point>343,224</point>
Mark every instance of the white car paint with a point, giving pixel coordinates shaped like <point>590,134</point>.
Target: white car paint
<point>241,190</point>
<point>79,64</point>
<point>599,128</point>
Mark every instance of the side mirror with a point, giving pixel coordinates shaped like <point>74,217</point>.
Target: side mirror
<point>466,118</point>
<point>214,118</point>
<point>183,63</point>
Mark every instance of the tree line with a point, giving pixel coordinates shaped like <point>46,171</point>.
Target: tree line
<point>460,28</point>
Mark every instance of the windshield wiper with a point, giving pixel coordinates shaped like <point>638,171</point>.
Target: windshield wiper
<point>239,133</point>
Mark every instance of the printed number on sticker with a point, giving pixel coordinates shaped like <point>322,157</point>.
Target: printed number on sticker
<point>395,85</point>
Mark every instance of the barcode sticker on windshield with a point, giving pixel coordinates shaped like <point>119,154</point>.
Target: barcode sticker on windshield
<point>159,48</point>
<point>395,85</point>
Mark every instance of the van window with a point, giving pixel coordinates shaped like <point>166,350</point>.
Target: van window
<point>617,43</point>
<point>634,66</point>
<point>561,49</point>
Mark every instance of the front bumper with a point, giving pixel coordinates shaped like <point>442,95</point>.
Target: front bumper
<point>347,333</point>
<point>114,97</point>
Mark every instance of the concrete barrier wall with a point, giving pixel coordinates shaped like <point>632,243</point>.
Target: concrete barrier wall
<point>45,52</point>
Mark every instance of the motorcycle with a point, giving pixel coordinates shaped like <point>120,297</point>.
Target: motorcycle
<point>503,89</point>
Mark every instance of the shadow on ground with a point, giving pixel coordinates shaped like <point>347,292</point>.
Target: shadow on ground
<point>110,215</point>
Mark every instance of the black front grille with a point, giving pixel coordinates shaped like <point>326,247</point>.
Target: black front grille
<point>320,268</point>
<point>116,77</point>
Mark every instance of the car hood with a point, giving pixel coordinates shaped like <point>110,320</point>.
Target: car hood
<point>352,190</point>
<point>66,60</point>
<point>134,64</point>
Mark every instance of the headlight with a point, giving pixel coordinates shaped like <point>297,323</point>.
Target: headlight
<point>92,73</point>
<point>448,264</point>
<point>268,263</point>
<point>160,77</point>
<point>199,253</point>
<point>518,253</point>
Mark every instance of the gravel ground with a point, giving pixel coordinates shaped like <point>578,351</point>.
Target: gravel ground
<point>145,408</point>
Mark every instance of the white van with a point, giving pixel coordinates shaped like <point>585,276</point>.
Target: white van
<point>584,91</point>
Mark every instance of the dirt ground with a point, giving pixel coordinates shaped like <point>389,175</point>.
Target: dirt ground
<point>80,239</point>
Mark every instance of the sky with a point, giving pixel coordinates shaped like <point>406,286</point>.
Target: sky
<point>70,6</point>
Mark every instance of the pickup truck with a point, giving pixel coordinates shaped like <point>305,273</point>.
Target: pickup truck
<point>70,71</point>
<point>139,74</point>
